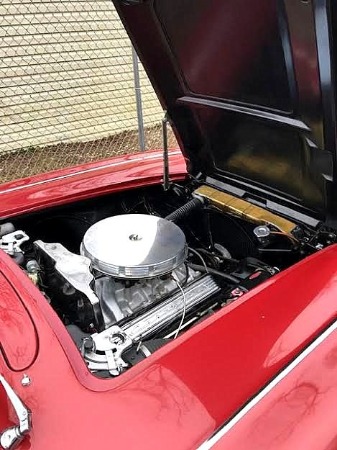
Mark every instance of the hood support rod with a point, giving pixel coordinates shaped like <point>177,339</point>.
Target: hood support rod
<point>166,174</point>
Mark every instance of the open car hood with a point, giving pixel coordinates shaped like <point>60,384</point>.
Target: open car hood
<point>248,87</point>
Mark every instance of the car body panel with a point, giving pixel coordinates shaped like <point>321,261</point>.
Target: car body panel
<point>88,181</point>
<point>203,378</point>
<point>298,412</point>
<point>19,342</point>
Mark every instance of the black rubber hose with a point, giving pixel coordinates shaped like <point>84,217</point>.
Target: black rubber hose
<point>185,210</point>
<point>217,273</point>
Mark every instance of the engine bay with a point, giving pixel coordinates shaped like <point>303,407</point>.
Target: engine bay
<point>131,272</point>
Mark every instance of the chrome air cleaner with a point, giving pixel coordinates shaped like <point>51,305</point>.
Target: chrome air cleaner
<point>134,246</point>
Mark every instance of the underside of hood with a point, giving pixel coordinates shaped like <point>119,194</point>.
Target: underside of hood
<point>249,89</point>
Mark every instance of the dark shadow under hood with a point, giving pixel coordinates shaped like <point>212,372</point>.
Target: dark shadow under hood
<point>249,90</point>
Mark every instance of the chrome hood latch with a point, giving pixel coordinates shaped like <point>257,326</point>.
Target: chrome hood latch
<point>11,437</point>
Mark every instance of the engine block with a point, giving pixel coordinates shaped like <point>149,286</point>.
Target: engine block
<point>120,299</point>
<point>107,348</point>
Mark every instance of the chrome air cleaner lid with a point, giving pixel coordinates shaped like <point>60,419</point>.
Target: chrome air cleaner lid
<point>134,246</point>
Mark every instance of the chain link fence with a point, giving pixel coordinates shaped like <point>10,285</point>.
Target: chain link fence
<point>71,87</point>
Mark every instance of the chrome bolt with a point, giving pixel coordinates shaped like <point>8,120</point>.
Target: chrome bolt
<point>26,380</point>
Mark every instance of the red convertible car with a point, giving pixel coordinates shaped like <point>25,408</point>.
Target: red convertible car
<point>160,301</point>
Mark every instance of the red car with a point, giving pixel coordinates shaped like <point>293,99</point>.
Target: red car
<point>146,306</point>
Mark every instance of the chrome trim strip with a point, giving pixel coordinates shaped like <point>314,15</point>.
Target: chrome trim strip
<point>80,172</point>
<point>221,432</point>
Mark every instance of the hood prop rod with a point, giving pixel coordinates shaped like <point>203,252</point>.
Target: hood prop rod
<point>166,174</point>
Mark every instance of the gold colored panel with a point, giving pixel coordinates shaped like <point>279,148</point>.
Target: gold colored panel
<point>244,210</point>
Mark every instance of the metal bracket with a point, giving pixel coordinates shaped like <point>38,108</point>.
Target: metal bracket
<point>12,436</point>
<point>11,243</point>
<point>75,269</point>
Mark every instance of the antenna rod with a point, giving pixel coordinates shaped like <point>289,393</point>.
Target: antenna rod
<point>166,175</point>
